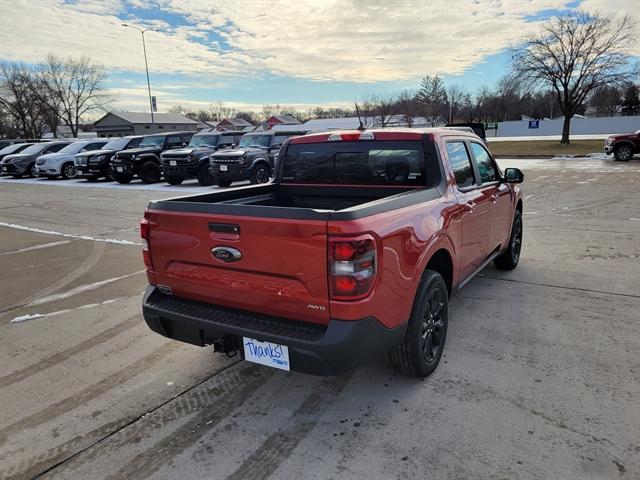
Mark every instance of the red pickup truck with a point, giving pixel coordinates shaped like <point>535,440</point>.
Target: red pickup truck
<point>354,249</point>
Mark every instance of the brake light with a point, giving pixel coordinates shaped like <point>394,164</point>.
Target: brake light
<point>352,267</point>
<point>350,137</point>
<point>145,235</point>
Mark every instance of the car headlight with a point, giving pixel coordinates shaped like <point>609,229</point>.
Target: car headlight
<point>97,158</point>
<point>609,141</point>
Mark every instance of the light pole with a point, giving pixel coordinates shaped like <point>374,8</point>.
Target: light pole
<point>146,66</point>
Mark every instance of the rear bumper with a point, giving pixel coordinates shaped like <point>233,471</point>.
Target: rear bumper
<point>313,349</point>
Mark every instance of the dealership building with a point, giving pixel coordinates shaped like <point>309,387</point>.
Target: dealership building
<point>119,124</point>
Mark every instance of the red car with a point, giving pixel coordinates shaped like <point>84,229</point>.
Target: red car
<point>354,249</point>
<point>623,146</point>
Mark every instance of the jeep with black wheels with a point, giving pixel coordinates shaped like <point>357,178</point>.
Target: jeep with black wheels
<point>193,160</point>
<point>94,164</point>
<point>144,161</point>
<point>254,159</point>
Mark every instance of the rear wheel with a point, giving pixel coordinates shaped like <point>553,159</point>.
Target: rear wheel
<point>204,177</point>
<point>174,180</point>
<point>420,352</point>
<point>509,259</point>
<point>223,183</point>
<point>260,173</point>
<point>150,172</point>
<point>623,153</point>
<point>68,171</point>
<point>122,177</point>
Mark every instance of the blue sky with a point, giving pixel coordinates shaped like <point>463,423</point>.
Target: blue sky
<point>305,53</point>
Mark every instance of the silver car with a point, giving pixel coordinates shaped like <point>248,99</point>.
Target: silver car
<point>61,163</point>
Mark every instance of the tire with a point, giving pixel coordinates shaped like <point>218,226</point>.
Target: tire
<point>509,259</point>
<point>419,353</point>
<point>32,170</point>
<point>223,183</point>
<point>150,172</point>
<point>68,171</point>
<point>623,153</point>
<point>122,177</point>
<point>260,173</point>
<point>174,180</point>
<point>204,177</point>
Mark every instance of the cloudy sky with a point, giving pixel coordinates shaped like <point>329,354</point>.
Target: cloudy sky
<point>305,52</point>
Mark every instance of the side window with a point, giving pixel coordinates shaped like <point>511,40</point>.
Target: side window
<point>95,146</point>
<point>173,142</point>
<point>134,142</point>
<point>461,164</point>
<point>54,148</point>
<point>486,167</point>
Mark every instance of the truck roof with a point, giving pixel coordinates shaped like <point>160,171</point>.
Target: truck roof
<point>382,134</point>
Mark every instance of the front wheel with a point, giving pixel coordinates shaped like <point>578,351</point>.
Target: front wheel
<point>174,180</point>
<point>260,174</point>
<point>150,172</point>
<point>204,177</point>
<point>509,259</point>
<point>420,352</point>
<point>32,170</point>
<point>68,171</point>
<point>623,153</point>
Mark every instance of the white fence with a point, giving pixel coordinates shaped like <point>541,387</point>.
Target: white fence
<point>579,126</point>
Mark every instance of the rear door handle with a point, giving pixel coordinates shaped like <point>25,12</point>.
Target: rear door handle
<point>494,198</point>
<point>469,205</point>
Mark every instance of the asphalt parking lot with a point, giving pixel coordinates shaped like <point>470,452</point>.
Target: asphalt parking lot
<point>540,380</point>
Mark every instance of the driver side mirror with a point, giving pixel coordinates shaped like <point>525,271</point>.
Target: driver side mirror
<point>513,175</point>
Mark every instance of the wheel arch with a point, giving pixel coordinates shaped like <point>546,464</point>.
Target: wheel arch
<point>441,261</point>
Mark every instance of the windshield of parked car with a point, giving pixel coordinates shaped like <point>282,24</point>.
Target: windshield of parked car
<point>116,144</point>
<point>255,141</point>
<point>356,163</point>
<point>204,140</point>
<point>152,141</point>
<point>15,148</point>
<point>35,148</point>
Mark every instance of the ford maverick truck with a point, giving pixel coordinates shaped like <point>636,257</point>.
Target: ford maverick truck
<point>193,160</point>
<point>353,250</point>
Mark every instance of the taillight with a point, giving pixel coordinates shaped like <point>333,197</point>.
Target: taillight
<point>352,267</point>
<point>145,235</point>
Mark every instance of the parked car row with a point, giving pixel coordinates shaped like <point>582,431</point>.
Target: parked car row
<point>218,158</point>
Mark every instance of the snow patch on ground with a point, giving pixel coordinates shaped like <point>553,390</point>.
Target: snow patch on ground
<point>68,235</point>
<point>24,318</point>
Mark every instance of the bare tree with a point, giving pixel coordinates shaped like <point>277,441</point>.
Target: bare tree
<point>455,99</point>
<point>433,99</point>
<point>20,98</point>
<point>407,106</point>
<point>74,88</point>
<point>631,103</point>
<point>219,111</point>
<point>606,100</point>
<point>574,55</point>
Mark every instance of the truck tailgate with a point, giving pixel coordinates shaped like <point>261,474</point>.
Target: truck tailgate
<point>282,270</point>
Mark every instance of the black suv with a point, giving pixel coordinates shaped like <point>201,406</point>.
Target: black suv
<point>144,161</point>
<point>94,164</point>
<point>193,161</point>
<point>254,159</point>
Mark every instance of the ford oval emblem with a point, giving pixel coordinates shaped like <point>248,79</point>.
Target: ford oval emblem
<point>226,254</point>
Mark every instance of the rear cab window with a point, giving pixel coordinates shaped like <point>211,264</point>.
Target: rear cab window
<point>358,163</point>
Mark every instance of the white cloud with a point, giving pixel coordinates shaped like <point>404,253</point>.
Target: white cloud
<point>346,40</point>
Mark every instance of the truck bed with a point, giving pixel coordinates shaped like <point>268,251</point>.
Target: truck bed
<point>299,201</point>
